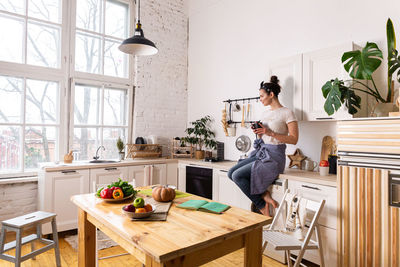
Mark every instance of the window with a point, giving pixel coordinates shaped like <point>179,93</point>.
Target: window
<point>37,123</point>
<point>31,32</point>
<point>101,25</point>
<point>29,123</point>
<point>100,117</point>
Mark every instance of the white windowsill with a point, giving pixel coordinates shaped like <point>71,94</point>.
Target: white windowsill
<point>16,180</point>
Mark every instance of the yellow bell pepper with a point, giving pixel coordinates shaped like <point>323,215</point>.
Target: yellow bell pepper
<point>118,194</point>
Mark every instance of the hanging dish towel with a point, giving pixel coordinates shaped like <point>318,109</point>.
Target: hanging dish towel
<point>296,217</point>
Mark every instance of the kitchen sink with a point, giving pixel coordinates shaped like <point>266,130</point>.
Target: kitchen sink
<point>103,161</point>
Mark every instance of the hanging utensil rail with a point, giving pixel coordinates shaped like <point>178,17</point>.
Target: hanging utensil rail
<point>229,101</point>
<point>241,99</point>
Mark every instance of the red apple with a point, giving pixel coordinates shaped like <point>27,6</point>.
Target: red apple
<point>323,163</point>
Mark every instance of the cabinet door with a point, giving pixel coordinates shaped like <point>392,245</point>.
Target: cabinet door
<point>182,177</point>
<point>230,193</point>
<point>319,67</point>
<point>56,197</point>
<point>136,174</point>
<point>172,174</point>
<point>108,175</point>
<point>159,174</point>
<point>289,72</point>
<point>316,192</point>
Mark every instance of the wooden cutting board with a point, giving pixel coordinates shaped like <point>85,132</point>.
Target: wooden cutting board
<point>326,147</point>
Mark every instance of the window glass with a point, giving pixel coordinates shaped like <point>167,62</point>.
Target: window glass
<point>11,36</point>
<point>88,14</point>
<point>13,6</point>
<point>115,107</point>
<point>116,21</point>
<point>110,136</point>
<point>40,145</point>
<point>87,105</point>
<point>115,62</point>
<point>48,10</point>
<point>10,149</point>
<point>87,53</point>
<point>85,142</point>
<point>11,99</point>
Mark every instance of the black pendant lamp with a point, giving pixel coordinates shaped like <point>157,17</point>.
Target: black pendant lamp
<point>137,44</point>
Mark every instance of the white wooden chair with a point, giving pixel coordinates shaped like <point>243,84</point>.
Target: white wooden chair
<point>98,241</point>
<point>283,241</point>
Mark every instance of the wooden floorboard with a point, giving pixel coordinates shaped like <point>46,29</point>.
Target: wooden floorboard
<point>69,257</point>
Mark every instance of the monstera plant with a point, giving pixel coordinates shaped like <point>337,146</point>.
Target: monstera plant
<point>361,64</point>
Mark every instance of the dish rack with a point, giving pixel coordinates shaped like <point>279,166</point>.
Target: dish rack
<point>144,151</point>
<point>179,151</point>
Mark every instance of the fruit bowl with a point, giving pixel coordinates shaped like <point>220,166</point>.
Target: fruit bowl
<point>138,215</point>
<point>114,200</point>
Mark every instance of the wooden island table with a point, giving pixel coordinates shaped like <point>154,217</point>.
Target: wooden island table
<point>186,238</point>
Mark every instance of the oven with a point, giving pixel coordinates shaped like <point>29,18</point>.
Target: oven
<point>199,181</point>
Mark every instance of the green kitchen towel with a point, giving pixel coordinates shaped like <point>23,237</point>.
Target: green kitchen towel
<point>203,205</point>
<point>178,194</point>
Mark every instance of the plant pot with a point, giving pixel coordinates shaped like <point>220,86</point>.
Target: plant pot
<point>383,109</point>
<point>199,154</point>
<point>121,155</point>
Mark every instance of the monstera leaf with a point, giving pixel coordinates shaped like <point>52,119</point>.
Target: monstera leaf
<point>394,64</point>
<point>336,93</point>
<point>391,48</point>
<point>361,64</point>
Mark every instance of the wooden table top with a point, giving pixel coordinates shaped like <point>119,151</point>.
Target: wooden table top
<point>184,231</point>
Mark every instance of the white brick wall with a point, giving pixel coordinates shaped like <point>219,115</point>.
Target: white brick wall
<point>161,92</point>
<point>17,199</point>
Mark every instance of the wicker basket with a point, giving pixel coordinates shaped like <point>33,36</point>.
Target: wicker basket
<point>144,151</point>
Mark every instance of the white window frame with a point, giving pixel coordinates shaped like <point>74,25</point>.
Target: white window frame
<point>66,76</point>
<point>104,85</point>
<point>99,77</point>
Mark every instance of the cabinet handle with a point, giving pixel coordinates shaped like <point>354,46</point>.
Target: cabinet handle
<point>327,118</point>
<point>110,169</point>
<point>310,187</point>
<point>223,171</point>
<point>65,172</point>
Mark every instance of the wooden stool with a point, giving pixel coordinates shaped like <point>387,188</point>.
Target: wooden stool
<point>17,225</point>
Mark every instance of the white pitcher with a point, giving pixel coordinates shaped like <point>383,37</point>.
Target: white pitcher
<point>310,165</point>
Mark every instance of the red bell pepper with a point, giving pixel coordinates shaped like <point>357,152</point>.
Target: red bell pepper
<point>106,193</point>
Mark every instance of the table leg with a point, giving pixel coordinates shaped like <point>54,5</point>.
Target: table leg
<point>253,248</point>
<point>150,262</point>
<point>86,241</point>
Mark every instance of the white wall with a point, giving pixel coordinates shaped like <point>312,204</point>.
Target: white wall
<point>161,93</point>
<point>231,43</point>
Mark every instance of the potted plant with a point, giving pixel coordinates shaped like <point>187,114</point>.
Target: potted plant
<point>360,65</point>
<point>120,147</point>
<point>201,136</point>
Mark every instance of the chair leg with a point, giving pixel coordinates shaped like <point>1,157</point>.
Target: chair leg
<point>18,248</point>
<point>320,250</point>
<point>55,239</point>
<point>288,258</point>
<point>2,239</point>
<point>33,249</point>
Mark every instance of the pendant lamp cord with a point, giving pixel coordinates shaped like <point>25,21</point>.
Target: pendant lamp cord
<point>138,9</point>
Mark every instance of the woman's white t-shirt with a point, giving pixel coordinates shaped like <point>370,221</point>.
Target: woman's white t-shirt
<point>277,121</point>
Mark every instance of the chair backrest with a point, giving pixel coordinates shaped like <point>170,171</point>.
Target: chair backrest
<point>315,207</point>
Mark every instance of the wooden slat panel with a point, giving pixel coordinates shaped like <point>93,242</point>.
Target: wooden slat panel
<point>369,149</point>
<point>353,216</point>
<point>369,136</point>
<point>369,218</point>
<point>395,237</point>
<point>377,218</point>
<point>386,221</point>
<point>369,143</point>
<point>346,216</point>
<point>369,122</point>
<point>339,216</point>
<point>361,216</point>
<point>369,129</point>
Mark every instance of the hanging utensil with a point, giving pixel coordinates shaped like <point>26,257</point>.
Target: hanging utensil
<point>248,113</point>
<point>243,112</point>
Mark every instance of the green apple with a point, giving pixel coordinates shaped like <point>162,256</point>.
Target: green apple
<point>138,202</point>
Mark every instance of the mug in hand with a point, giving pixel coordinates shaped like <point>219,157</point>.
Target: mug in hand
<point>256,125</point>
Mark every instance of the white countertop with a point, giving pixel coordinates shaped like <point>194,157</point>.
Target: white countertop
<point>291,174</point>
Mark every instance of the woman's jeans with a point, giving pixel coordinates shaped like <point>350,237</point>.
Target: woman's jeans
<point>241,174</point>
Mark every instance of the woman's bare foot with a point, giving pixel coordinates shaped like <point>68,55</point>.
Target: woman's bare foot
<point>268,199</point>
<point>265,210</point>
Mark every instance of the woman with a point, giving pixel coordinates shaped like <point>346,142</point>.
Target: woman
<point>278,127</point>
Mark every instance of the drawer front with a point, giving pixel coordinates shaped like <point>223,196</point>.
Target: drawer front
<point>316,192</point>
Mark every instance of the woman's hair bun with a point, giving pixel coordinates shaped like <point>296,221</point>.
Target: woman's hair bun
<point>274,79</point>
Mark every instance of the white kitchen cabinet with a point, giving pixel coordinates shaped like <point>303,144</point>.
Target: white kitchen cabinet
<point>172,174</point>
<point>229,193</point>
<point>319,67</point>
<point>182,177</point>
<point>55,191</point>
<point>105,176</point>
<point>148,174</point>
<point>289,72</point>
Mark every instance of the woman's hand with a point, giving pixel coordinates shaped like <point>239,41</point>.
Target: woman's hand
<point>263,130</point>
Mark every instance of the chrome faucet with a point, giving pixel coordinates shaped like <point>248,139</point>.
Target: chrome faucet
<point>97,152</point>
